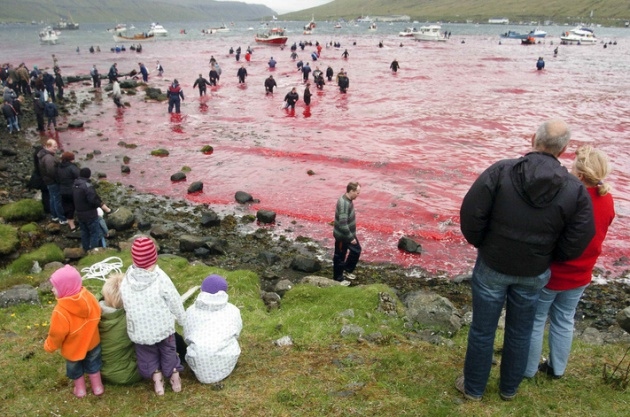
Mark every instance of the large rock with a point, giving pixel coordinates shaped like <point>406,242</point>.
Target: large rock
<point>623,318</point>
<point>189,243</point>
<point>318,281</point>
<point>301,263</point>
<point>409,245</point>
<point>243,197</point>
<point>75,124</point>
<point>19,294</point>
<point>210,219</point>
<point>121,219</point>
<point>266,216</point>
<point>178,176</point>
<point>432,311</point>
<point>195,187</point>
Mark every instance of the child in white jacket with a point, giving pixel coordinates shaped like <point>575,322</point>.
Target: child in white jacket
<point>212,329</point>
<point>152,304</point>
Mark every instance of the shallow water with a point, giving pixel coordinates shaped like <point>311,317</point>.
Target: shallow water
<point>415,140</point>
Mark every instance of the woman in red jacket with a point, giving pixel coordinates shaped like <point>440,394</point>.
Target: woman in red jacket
<point>559,299</point>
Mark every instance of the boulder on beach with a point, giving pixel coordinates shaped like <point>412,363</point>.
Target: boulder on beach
<point>121,219</point>
<point>178,176</point>
<point>266,216</point>
<point>195,187</point>
<point>243,197</point>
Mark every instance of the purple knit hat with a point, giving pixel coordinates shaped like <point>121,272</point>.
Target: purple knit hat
<point>213,284</point>
<point>67,281</point>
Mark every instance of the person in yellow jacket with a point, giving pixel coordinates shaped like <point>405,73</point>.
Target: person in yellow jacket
<point>74,330</point>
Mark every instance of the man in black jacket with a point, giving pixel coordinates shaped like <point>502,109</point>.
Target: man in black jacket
<point>521,214</point>
<point>86,203</point>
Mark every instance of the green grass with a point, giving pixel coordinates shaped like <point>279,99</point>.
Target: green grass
<point>27,209</point>
<point>322,374</point>
<point>9,241</point>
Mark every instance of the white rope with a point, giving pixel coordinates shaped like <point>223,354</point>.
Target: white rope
<point>102,269</point>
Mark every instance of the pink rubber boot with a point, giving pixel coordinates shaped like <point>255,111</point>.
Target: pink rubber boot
<point>158,383</point>
<point>176,382</point>
<point>97,384</point>
<point>79,387</point>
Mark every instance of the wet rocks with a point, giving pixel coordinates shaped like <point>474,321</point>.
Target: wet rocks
<point>210,219</point>
<point>178,176</point>
<point>195,187</point>
<point>409,245</point>
<point>304,264</point>
<point>121,219</point>
<point>242,197</point>
<point>266,216</point>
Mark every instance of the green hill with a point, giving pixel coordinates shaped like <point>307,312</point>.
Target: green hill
<point>607,12</point>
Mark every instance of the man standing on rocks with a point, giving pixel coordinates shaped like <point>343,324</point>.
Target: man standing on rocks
<point>48,171</point>
<point>521,214</point>
<point>87,202</point>
<point>347,247</point>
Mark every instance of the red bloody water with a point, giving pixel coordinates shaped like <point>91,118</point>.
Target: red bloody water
<point>415,139</point>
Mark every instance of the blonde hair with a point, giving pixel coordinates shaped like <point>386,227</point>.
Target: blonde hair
<point>111,291</point>
<point>591,166</point>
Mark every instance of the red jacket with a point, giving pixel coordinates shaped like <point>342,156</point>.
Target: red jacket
<point>578,272</point>
<point>74,326</point>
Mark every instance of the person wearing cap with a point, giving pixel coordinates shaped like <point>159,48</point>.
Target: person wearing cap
<point>152,304</point>
<point>86,201</point>
<point>213,326</point>
<point>174,94</point>
<point>74,330</point>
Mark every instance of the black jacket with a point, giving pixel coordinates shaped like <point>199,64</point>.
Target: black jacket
<point>524,213</point>
<point>86,200</point>
<point>67,172</point>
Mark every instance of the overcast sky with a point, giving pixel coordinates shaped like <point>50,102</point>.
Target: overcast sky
<point>286,6</point>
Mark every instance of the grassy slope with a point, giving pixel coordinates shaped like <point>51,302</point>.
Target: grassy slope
<point>322,374</point>
<point>478,10</point>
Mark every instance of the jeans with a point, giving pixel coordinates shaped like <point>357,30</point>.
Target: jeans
<point>90,365</point>
<point>91,234</point>
<point>490,291</point>
<point>340,262</point>
<point>560,307</point>
<point>12,124</point>
<point>56,210</point>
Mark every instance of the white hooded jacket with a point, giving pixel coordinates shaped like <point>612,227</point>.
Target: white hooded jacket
<point>212,329</point>
<point>152,304</point>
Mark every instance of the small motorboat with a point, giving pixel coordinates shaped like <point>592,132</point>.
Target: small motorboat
<point>431,33</point>
<point>157,30</point>
<point>537,33</point>
<point>48,36</point>
<point>581,35</point>
<point>530,40</point>
<point>408,32</point>
<point>513,35</point>
<point>220,29</point>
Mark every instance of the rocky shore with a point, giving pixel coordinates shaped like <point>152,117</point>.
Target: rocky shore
<point>235,239</point>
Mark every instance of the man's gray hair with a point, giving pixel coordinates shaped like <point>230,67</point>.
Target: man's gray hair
<point>553,136</point>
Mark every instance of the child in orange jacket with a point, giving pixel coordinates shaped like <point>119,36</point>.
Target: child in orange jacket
<point>74,330</point>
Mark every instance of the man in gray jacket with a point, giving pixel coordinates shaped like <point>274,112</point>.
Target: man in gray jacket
<point>347,247</point>
<point>521,214</point>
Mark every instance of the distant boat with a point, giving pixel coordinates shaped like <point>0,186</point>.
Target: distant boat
<point>274,36</point>
<point>139,37</point>
<point>580,35</point>
<point>64,24</point>
<point>372,27</point>
<point>337,25</point>
<point>120,28</point>
<point>408,32</point>
<point>310,26</point>
<point>430,33</point>
<point>220,29</point>
<point>157,30</point>
<point>513,35</point>
<point>48,36</point>
<point>537,33</point>
<point>364,19</point>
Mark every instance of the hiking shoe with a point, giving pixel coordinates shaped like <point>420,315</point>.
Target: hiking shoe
<point>344,283</point>
<point>459,384</point>
<point>349,275</point>
<point>63,222</point>
<point>55,219</point>
<point>547,369</point>
<point>507,397</point>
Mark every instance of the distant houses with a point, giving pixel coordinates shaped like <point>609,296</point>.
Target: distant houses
<point>499,21</point>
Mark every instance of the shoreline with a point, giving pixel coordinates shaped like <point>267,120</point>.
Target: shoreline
<point>245,241</point>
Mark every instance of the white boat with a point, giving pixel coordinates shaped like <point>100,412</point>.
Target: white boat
<point>119,28</point>
<point>364,19</point>
<point>408,32</point>
<point>220,29</point>
<point>337,25</point>
<point>372,27</point>
<point>431,33</point>
<point>581,35</point>
<point>537,33</point>
<point>48,35</point>
<point>157,30</point>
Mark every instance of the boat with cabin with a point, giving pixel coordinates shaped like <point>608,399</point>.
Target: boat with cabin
<point>66,24</point>
<point>537,33</point>
<point>510,34</point>
<point>408,32</point>
<point>48,35</point>
<point>221,29</point>
<point>431,33</point>
<point>273,36</point>
<point>157,30</point>
<point>310,26</point>
<point>120,28</point>
<point>580,35</point>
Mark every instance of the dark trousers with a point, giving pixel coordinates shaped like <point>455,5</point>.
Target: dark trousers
<point>161,356</point>
<point>345,258</point>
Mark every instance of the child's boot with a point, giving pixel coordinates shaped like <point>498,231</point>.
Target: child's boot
<point>97,384</point>
<point>79,387</point>
<point>158,383</point>
<point>176,382</point>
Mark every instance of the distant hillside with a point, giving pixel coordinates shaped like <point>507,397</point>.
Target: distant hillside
<point>607,12</point>
<point>94,11</point>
